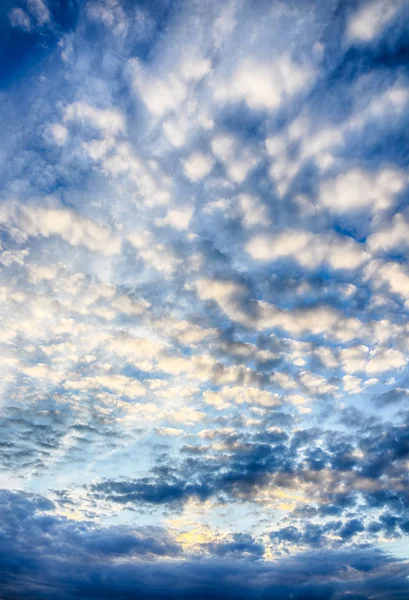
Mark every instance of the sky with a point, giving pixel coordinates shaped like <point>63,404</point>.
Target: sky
<point>204,341</point>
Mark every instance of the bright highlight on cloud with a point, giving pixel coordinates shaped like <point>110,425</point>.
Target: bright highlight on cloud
<point>204,300</point>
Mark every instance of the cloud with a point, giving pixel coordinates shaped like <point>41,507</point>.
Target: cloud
<point>39,10</point>
<point>33,220</point>
<point>394,235</point>
<point>197,166</point>
<point>360,358</point>
<point>20,19</point>
<point>308,249</point>
<point>371,19</point>
<point>204,296</point>
<point>357,190</point>
<point>98,561</point>
<point>238,162</point>
<point>264,86</point>
<point>108,121</point>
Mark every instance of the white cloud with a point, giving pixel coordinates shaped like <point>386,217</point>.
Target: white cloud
<point>308,249</point>
<point>261,315</point>
<point>263,85</point>
<point>59,133</point>
<point>110,13</point>
<point>385,359</point>
<point>354,359</point>
<point>10,257</point>
<point>395,276</point>
<point>117,383</point>
<point>238,160</point>
<point>197,166</point>
<point>241,395</point>
<point>160,96</point>
<point>169,431</point>
<point>178,218</point>
<point>326,356</point>
<point>20,19</point>
<point>39,10</point>
<point>34,220</point>
<point>216,400</point>
<point>136,350</point>
<point>371,19</point>
<point>247,207</point>
<point>316,384</point>
<point>362,359</point>
<point>195,68</point>
<point>253,212</point>
<point>130,307</point>
<point>352,384</point>
<point>359,190</point>
<point>394,235</point>
<point>109,121</point>
<point>37,273</point>
<point>320,144</point>
<point>152,187</point>
<point>225,23</point>
<point>155,254</point>
<point>175,130</point>
<point>383,107</point>
<point>184,331</point>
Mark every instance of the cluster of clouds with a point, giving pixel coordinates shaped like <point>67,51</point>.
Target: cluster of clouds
<point>88,564</point>
<point>205,299</point>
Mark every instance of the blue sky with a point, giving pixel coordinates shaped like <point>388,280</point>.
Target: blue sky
<point>204,229</point>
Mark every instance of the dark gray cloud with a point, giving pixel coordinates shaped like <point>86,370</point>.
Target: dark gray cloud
<point>46,556</point>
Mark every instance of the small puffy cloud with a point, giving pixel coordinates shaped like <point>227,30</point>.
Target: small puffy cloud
<point>262,85</point>
<point>385,359</point>
<point>395,276</point>
<point>195,68</point>
<point>110,13</point>
<point>233,300</point>
<point>316,384</point>
<point>357,190</point>
<point>169,431</point>
<point>178,218</point>
<point>108,121</point>
<point>160,96</point>
<point>393,235</point>
<point>308,249</point>
<point>260,315</point>
<point>385,107</point>
<point>253,211</point>
<point>117,383</point>
<point>197,166</point>
<point>19,19</point>
<point>352,384</point>
<point>371,19</point>
<point>59,133</point>
<point>362,359</point>
<point>39,10</point>
<point>154,253</point>
<point>175,130</point>
<point>238,161</point>
<point>354,358</point>
<point>240,395</point>
<point>35,220</point>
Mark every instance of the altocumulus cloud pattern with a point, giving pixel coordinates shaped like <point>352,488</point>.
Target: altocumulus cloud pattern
<point>204,222</point>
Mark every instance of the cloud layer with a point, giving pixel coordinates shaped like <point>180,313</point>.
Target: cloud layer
<point>204,300</point>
